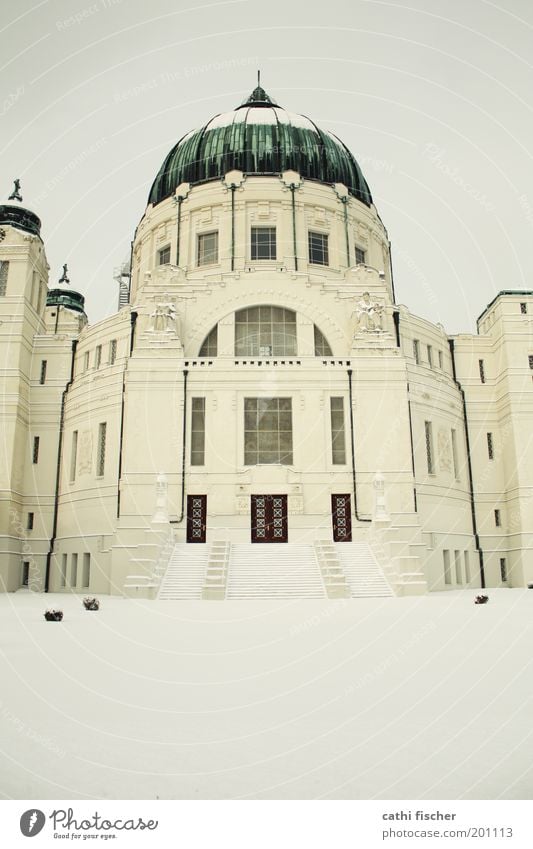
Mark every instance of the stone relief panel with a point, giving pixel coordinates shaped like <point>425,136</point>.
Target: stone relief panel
<point>444,450</point>
<point>85,453</point>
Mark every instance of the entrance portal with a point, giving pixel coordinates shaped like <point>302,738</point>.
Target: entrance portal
<point>269,518</point>
<point>341,515</point>
<point>196,518</point>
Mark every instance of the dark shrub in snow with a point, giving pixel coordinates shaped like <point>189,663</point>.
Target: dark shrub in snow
<point>481,599</point>
<point>53,615</point>
<point>91,603</point>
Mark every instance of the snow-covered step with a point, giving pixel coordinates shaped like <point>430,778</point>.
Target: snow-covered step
<point>363,574</point>
<point>185,575</point>
<point>284,570</point>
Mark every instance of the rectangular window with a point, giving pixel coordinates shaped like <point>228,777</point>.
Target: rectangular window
<point>42,376</point>
<point>503,569</point>
<point>112,351</point>
<point>64,570</point>
<point>4,271</point>
<point>73,570</point>
<point>86,361</point>
<point>100,458</point>
<point>318,248</point>
<point>430,356</point>
<point>338,441</point>
<point>360,256</point>
<point>458,572</point>
<point>455,457</point>
<point>163,257</point>
<point>441,365</point>
<point>86,573</point>
<point>98,356</point>
<point>482,371</point>
<point>263,243</point>
<point>523,309</point>
<point>416,351</point>
<point>490,446</point>
<point>497,519</point>
<point>29,524</point>
<point>429,447</point>
<point>447,570</point>
<point>267,431</point>
<point>208,248</point>
<point>73,456</point>
<point>467,567</point>
<point>35,453</point>
<point>198,432</point>
<point>530,359</point>
<point>25,573</point>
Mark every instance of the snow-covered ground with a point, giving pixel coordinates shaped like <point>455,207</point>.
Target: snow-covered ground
<point>380,698</point>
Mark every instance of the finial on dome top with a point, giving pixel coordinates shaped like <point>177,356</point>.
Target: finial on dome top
<point>259,97</point>
<point>64,277</point>
<point>15,194</point>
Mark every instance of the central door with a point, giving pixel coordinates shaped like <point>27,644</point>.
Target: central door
<point>196,518</point>
<point>269,518</point>
<point>341,514</point>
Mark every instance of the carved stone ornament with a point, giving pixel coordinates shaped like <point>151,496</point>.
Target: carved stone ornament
<point>164,318</point>
<point>368,315</point>
<point>2,234</point>
<point>161,499</point>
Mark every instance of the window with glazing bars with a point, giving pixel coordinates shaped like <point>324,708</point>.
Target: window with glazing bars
<point>338,440</point>
<point>112,351</point>
<point>100,457</point>
<point>322,347</point>
<point>35,453</point>
<point>163,256</point>
<point>416,351</point>
<point>198,432</point>
<point>263,244</point>
<point>318,248</point>
<point>42,376</point>
<point>98,356</point>
<point>207,248</point>
<point>265,332</point>
<point>73,456</point>
<point>490,446</point>
<point>210,344</point>
<point>4,271</point>
<point>360,256</point>
<point>428,428</point>
<point>267,431</point>
<point>482,371</point>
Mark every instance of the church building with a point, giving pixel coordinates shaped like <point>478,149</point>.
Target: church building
<point>260,418</point>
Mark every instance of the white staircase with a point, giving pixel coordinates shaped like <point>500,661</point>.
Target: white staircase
<point>284,570</point>
<point>363,574</point>
<point>185,575</point>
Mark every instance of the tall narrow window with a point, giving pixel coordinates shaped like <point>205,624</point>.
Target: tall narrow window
<point>163,257</point>
<point>267,431</point>
<point>29,524</point>
<point>441,365</point>
<point>322,346</point>
<point>86,573</point>
<point>490,446</point>
<point>497,519</point>
<point>74,570</point>
<point>416,351</point>
<point>98,356</point>
<point>73,456</point>
<point>100,460</point>
<point>86,361</point>
<point>482,370</point>
<point>263,244</point>
<point>207,248</point>
<point>429,447</point>
<point>35,453</point>
<point>430,356</point>
<point>198,432</point>
<point>360,256</point>
<point>112,351</point>
<point>467,567</point>
<point>4,271</point>
<point>318,248</point>
<point>503,569</point>
<point>447,569</point>
<point>39,297</point>
<point>523,309</point>
<point>338,440</point>
<point>64,570</point>
<point>42,376</point>
<point>530,359</point>
<point>458,571</point>
<point>455,455</point>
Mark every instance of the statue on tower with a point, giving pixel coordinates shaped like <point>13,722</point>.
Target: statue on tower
<point>368,314</point>
<point>64,277</point>
<point>15,194</point>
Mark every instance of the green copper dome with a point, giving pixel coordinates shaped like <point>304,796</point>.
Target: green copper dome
<point>259,137</point>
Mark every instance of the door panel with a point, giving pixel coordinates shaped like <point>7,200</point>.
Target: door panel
<point>269,518</point>
<point>196,518</point>
<point>341,515</point>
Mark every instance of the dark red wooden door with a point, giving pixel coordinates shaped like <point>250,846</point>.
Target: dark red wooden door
<point>341,514</point>
<point>196,518</point>
<point>269,518</point>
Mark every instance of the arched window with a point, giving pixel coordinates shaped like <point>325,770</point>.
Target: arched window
<point>322,347</point>
<point>265,332</point>
<point>210,344</point>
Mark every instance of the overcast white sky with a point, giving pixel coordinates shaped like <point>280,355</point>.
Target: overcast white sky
<point>433,97</point>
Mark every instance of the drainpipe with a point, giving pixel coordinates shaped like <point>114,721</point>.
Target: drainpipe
<point>292,187</point>
<point>133,319</point>
<point>233,188</point>
<point>179,201</point>
<point>357,516</point>
<point>469,464</point>
<point>345,204</point>
<point>396,319</point>
<point>58,468</point>
<point>183,449</point>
